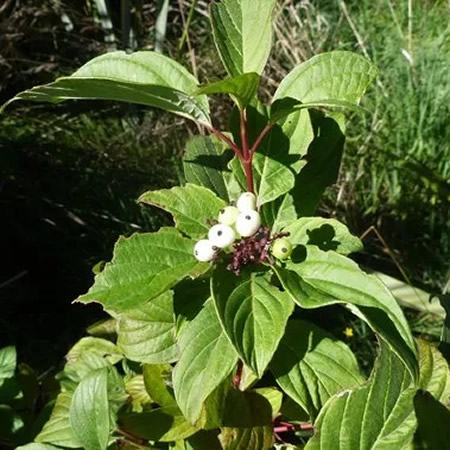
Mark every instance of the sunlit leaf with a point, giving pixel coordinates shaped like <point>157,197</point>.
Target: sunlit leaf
<point>242,32</point>
<point>206,359</point>
<point>191,206</point>
<point>311,365</point>
<point>143,267</point>
<point>378,415</point>
<point>253,314</point>
<point>146,78</point>
<point>147,334</point>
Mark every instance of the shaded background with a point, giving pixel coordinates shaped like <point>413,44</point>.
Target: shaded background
<point>70,174</point>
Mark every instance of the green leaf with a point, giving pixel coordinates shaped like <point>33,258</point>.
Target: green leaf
<point>323,162</point>
<point>433,431</point>
<point>89,411</point>
<point>378,415</point>
<point>34,446</point>
<point>253,314</point>
<point>327,234</point>
<point>315,278</point>
<point>147,334</point>
<point>204,164</point>
<point>163,424</point>
<point>255,438</point>
<point>242,88</point>
<point>143,267</point>
<point>242,32</point>
<point>8,361</point>
<point>285,106</point>
<point>278,158</point>
<point>191,206</point>
<point>190,296</point>
<point>334,76</point>
<point>311,365</point>
<point>273,396</point>
<point>154,379</point>
<point>206,359</point>
<point>12,426</point>
<point>279,213</point>
<point>90,354</point>
<point>105,328</point>
<point>135,388</point>
<point>247,421</point>
<point>146,78</point>
<point>434,372</point>
<point>58,430</point>
<point>444,345</point>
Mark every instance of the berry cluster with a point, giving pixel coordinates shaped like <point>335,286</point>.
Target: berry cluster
<point>242,222</point>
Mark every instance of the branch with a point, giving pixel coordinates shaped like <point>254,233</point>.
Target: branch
<point>225,139</point>
<point>260,138</point>
<point>244,138</point>
<point>289,427</point>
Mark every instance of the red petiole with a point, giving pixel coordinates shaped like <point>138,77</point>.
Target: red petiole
<point>245,154</point>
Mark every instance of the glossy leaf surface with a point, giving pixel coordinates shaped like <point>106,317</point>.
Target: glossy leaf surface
<point>146,78</point>
<point>311,365</point>
<point>143,267</point>
<point>315,278</point>
<point>378,415</point>
<point>253,314</point>
<point>191,207</point>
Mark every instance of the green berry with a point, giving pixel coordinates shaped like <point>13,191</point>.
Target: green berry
<point>282,248</point>
<point>228,215</point>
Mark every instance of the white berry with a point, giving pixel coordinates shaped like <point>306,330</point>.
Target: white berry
<point>248,222</point>
<point>205,250</point>
<point>246,201</point>
<point>221,235</point>
<point>228,215</point>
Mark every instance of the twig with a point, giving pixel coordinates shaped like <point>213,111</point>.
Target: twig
<point>132,438</point>
<point>289,427</point>
<point>258,141</point>
<point>237,378</point>
<point>225,139</point>
<point>244,139</point>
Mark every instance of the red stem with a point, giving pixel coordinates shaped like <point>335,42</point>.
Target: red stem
<point>227,140</point>
<point>132,438</point>
<point>244,139</point>
<point>247,157</point>
<point>258,141</point>
<point>237,378</point>
<point>247,165</point>
<point>289,427</point>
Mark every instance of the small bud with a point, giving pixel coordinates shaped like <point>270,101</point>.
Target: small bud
<point>246,201</point>
<point>228,215</point>
<point>205,250</point>
<point>282,248</point>
<point>248,222</point>
<point>221,235</point>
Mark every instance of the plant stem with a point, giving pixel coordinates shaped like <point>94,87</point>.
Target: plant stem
<point>247,156</point>
<point>227,140</point>
<point>260,138</point>
<point>132,438</point>
<point>244,138</point>
<point>237,378</point>
<point>247,165</point>
<point>289,427</point>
